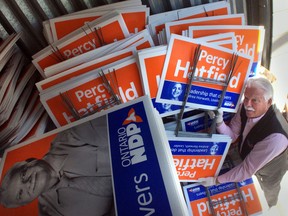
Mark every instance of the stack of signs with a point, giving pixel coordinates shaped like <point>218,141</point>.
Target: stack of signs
<point>250,39</point>
<point>188,56</point>
<point>165,74</point>
<point>89,64</point>
<point>156,22</point>
<point>224,198</point>
<point>140,159</point>
<point>87,30</point>
<point>196,157</point>
<point>200,122</point>
<point>59,27</point>
<point>215,66</point>
<point>88,92</point>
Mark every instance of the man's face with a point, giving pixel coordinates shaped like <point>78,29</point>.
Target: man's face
<point>255,103</point>
<point>177,90</point>
<point>166,106</point>
<point>29,183</point>
<point>214,149</point>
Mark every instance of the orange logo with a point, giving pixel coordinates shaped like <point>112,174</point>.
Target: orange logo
<point>132,117</point>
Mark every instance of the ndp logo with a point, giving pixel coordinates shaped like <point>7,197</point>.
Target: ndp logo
<point>131,143</point>
<point>132,117</point>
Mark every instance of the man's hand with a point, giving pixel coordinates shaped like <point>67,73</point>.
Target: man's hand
<point>216,114</point>
<point>209,181</point>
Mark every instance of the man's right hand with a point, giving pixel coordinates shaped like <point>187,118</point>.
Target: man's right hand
<point>218,114</point>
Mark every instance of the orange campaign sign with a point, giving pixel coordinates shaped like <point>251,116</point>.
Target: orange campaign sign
<point>134,18</point>
<point>225,199</point>
<point>151,62</point>
<point>88,93</point>
<point>213,69</point>
<point>80,59</point>
<point>84,68</point>
<point>62,26</point>
<point>227,40</point>
<point>250,39</point>
<point>205,10</point>
<point>83,40</point>
<point>156,22</point>
<point>177,27</point>
<point>198,157</point>
<point>140,40</point>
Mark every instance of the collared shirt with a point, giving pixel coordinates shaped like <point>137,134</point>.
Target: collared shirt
<point>261,154</point>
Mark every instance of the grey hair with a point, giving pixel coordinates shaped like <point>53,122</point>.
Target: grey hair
<point>14,170</point>
<point>5,182</point>
<point>263,84</point>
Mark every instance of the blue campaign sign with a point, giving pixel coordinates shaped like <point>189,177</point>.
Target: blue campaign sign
<point>187,147</point>
<point>138,183</point>
<point>199,95</point>
<point>168,108</point>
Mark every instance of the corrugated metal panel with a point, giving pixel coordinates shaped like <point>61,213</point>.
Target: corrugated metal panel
<point>27,15</point>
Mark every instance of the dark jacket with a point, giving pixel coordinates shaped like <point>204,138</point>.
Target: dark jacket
<point>271,174</point>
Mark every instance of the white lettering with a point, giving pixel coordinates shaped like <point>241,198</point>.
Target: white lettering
<point>215,60</point>
<point>82,48</point>
<point>239,39</point>
<point>145,197</point>
<point>179,68</point>
<point>183,164</point>
<point>129,94</point>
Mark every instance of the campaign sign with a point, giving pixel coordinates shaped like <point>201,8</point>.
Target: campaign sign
<point>134,18</point>
<point>64,25</point>
<point>212,68</point>
<point>84,68</point>
<point>138,160</point>
<point>225,199</point>
<point>87,92</point>
<point>151,62</point>
<point>177,27</point>
<point>250,39</point>
<point>156,22</point>
<point>144,179</point>
<point>198,157</point>
<point>227,40</point>
<point>82,41</point>
<point>200,122</point>
<point>205,10</point>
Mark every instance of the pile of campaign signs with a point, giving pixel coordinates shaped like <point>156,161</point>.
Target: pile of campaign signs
<point>152,66</point>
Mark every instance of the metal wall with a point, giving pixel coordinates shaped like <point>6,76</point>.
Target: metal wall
<point>27,15</point>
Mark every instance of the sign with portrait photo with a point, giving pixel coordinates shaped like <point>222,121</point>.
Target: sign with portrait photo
<point>91,159</point>
<point>151,62</point>
<point>213,70</point>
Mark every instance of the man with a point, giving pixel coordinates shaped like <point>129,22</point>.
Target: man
<point>262,132</point>
<point>176,91</point>
<point>73,178</point>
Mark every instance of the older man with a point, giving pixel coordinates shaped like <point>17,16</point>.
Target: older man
<point>262,132</point>
<point>73,178</point>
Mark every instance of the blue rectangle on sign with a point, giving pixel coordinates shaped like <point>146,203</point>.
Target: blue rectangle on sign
<point>138,183</point>
<point>201,95</point>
